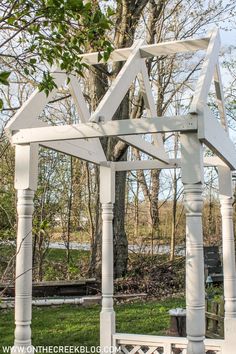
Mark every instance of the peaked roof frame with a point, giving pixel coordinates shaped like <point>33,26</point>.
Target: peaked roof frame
<point>82,140</point>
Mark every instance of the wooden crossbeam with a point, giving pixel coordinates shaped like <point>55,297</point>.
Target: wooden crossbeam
<point>146,51</point>
<point>211,161</point>
<point>145,165</point>
<point>81,148</point>
<point>173,47</point>
<point>121,54</point>
<point>111,128</point>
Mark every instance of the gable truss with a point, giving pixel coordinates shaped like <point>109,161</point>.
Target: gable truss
<point>83,138</point>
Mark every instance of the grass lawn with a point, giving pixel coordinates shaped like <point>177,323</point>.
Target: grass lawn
<point>79,326</point>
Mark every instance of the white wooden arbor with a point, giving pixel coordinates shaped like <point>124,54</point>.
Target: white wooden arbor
<point>198,127</point>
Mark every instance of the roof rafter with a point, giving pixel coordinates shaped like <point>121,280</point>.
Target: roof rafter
<point>28,114</point>
<point>220,96</point>
<point>109,103</point>
<point>207,72</point>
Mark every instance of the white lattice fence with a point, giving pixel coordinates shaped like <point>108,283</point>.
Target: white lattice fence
<point>144,344</point>
<point>144,349</point>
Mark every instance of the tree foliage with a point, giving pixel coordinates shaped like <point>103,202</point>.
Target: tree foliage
<point>33,32</point>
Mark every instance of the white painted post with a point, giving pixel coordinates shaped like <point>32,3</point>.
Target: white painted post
<point>225,194</point>
<point>192,177</point>
<point>25,183</point>
<point>107,199</point>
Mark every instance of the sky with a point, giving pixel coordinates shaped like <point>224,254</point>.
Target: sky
<point>228,38</point>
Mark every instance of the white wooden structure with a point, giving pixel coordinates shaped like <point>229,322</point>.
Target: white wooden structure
<point>198,127</point>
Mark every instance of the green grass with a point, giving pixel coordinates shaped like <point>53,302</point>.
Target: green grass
<point>56,255</point>
<point>55,263</point>
<point>79,326</point>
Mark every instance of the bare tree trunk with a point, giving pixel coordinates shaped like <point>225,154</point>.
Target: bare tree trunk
<point>97,86</point>
<point>136,211</point>
<point>116,150</point>
<point>154,210</point>
<point>96,238</point>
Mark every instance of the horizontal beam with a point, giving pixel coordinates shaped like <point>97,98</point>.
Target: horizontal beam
<point>86,149</point>
<point>213,135</point>
<point>173,47</point>
<point>145,165</point>
<point>152,340</point>
<point>212,161</point>
<point>111,128</point>
<point>117,55</point>
<point>146,51</point>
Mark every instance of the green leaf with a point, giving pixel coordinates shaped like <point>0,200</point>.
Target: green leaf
<point>110,11</point>
<point>47,84</point>
<point>11,20</point>
<point>99,56</point>
<point>1,104</point>
<point>4,75</point>
<point>33,61</point>
<point>26,71</point>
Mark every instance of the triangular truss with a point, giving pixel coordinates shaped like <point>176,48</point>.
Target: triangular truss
<point>82,140</point>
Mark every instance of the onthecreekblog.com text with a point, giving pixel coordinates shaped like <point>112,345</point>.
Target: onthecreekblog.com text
<point>67,349</point>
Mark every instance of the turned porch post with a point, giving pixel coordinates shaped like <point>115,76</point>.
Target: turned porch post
<point>192,178</point>
<point>107,199</point>
<point>226,194</point>
<point>26,167</point>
